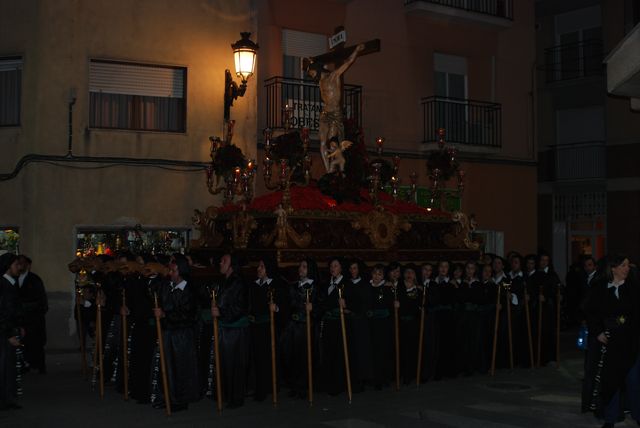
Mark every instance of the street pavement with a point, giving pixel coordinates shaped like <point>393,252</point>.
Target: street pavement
<point>546,397</point>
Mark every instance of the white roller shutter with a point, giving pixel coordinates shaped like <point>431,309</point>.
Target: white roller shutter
<point>136,79</point>
<point>10,64</point>
<point>301,44</point>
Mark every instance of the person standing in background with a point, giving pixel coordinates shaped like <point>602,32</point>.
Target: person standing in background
<point>33,299</point>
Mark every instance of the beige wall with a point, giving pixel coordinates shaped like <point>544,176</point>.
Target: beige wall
<point>57,39</point>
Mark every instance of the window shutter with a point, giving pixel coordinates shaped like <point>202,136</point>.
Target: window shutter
<point>10,64</point>
<point>136,79</point>
<point>301,44</point>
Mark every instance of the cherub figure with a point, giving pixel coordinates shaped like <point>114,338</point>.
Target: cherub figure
<point>335,155</point>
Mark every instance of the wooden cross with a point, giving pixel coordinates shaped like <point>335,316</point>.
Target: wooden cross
<point>339,53</point>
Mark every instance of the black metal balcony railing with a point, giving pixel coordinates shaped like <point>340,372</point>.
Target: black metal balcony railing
<point>303,98</point>
<point>498,8</point>
<point>574,60</point>
<point>465,121</point>
<point>577,161</point>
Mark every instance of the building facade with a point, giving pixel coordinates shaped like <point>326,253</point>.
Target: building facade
<point>141,83</point>
<point>588,140</point>
<point>148,82</point>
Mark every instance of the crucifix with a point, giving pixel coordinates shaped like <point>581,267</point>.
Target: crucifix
<point>328,69</point>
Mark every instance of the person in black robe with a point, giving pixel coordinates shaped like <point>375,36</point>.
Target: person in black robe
<point>446,364</point>
<point>266,295</point>
<point>293,342</point>
<point>395,283</point>
<point>486,295</point>
<point>232,310</point>
<point>504,281</point>
<point>10,330</point>
<point>381,328</point>
<point>140,304</point>
<point>33,299</point>
<point>332,354</point>
<point>468,333</point>
<point>613,367</point>
<point>410,298</point>
<point>178,314</point>
<point>548,284</point>
<point>430,345</point>
<point>359,298</point>
<point>518,316</point>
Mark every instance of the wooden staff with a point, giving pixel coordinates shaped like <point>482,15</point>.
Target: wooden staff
<point>99,339</point>
<point>345,347</point>
<point>216,353</point>
<point>540,303</point>
<point>507,287</point>
<point>396,325</point>
<point>163,364</point>
<point>495,335</point>
<point>420,337</point>
<point>309,352</point>
<point>528,318</point>
<point>83,350</point>
<point>558,326</point>
<point>274,374</point>
<point>125,348</point>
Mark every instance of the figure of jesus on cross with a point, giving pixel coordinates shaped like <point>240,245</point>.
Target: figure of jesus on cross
<point>328,69</point>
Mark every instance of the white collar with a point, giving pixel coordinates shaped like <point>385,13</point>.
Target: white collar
<point>356,280</point>
<point>9,278</point>
<point>498,278</point>
<point>531,272</point>
<point>22,277</point>
<point>262,282</point>
<point>442,279</point>
<point>411,289</point>
<point>381,283</point>
<point>335,281</point>
<point>616,287</point>
<point>515,275</point>
<point>305,281</point>
<point>545,270</point>
<point>180,286</point>
<point>591,275</point>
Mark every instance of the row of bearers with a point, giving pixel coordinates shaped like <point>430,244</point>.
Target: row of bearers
<point>460,305</point>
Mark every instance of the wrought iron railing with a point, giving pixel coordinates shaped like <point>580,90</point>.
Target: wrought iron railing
<point>498,8</point>
<point>574,60</point>
<point>580,161</point>
<point>303,98</point>
<point>465,121</point>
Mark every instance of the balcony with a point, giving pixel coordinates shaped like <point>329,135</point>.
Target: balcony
<point>497,13</point>
<point>573,61</point>
<point>303,97</point>
<point>573,162</point>
<point>467,122</point>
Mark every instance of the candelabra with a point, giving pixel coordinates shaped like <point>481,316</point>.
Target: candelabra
<point>235,182</point>
<point>375,182</point>
<point>443,165</point>
<point>285,166</point>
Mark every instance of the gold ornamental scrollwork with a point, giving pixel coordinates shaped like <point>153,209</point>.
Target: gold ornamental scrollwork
<point>382,227</point>
<point>205,223</point>
<point>462,232</point>
<point>283,232</point>
<point>241,225</point>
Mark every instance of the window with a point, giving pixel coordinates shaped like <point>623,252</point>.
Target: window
<point>10,90</point>
<point>579,44</point>
<point>450,76</point>
<point>297,45</point>
<point>137,97</point>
